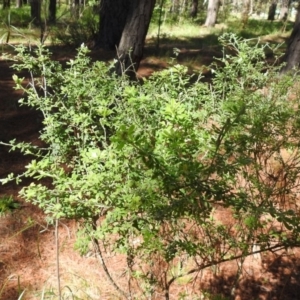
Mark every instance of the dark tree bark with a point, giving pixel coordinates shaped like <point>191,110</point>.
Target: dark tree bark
<point>6,4</point>
<point>272,11</point>
<point>35,11</point>
<point>284,9</point>
<point>194,9</point>
<point>113,15</point>
<point>130,50</point>
<point>292,55</point>
<point>52,11</point>
<point>212,13</point>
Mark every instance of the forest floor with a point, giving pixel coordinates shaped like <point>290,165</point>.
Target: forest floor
<point>27,242</point>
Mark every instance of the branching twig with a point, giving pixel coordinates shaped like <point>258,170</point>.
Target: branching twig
<point>102,262</point>
<point>57,258</point>
<point>276,247</point>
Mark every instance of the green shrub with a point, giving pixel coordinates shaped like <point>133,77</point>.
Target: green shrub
<point>157,159</point>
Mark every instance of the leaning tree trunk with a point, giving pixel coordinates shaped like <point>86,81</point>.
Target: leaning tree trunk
<point>194,9</point>
<point>272,11</point>
<point>292,55</point>
<point>212,13</point>
<point>113,15</point>
<point>284,9</point>
<point>130,50</point>
<point>35,11</point>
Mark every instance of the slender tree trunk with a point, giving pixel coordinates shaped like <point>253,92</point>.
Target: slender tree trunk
<point>246,12</point>
<point>236,5</point>
<point>258,7</point>
<point>175,7</point>
<point>272,11</point>
<point>130,50</point>
<point>194,9</point>
<point>35,11</point>
<point>212,13</point>
<point>284,9</point>
<point>292,55</point>
<point>75,8</point>
<point>19,3</point>
<point>52,11</point>
<point>113,15</point>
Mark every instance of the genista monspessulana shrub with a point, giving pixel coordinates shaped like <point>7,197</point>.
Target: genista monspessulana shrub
<point>159,159</point>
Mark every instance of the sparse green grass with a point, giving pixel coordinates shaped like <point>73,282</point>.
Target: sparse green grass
<point>18,17</point>
<point>198,44</point>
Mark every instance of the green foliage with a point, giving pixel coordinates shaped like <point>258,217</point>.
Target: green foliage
<point>257,28</point>
<point>159,159</point>
<point>7,204</point>
<point>18,17</point>
<point>73,31</point>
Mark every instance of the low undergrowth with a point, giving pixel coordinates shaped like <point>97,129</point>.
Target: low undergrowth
<point>144,168</point>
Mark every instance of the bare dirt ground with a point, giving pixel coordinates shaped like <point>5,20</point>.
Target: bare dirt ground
<point>27,242</point>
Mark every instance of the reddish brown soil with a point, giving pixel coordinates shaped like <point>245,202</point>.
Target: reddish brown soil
<point>27,242</point>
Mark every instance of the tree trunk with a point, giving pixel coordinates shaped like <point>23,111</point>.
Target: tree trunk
<point>212,13</point>
<point>259,7</point>
<point>6,4</point>
<point>194,9</point>
<point>19,3</point>
<point>272,11</point>
<point>284,9</point>
<point>236,5</point>
<point>75,8</point>
<point>292,55</point>
<point>130,50</point>
<point>113,15</point>
<point>246,12</point>
<point>52,11</point>
<point>35,11</point>
<point>175,8</point>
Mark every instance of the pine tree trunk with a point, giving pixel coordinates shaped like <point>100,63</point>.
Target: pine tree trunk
<point>130,50</point>
<point>52,11</point>
<point>292,55</point>
<point>236,5</point>
<point>175,7</point>
<point>272,11</point>
<point>113,15</point>
<point>6,4</point>
<point>194,9</point>
<point>212,13</point>
<point>75,8</point>
<point>35,11</point>
<point>284,9</point>
<point>19,3</point>
<point>246,12</point>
